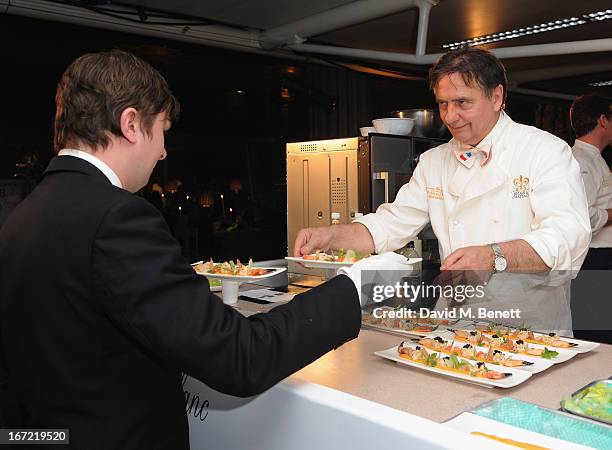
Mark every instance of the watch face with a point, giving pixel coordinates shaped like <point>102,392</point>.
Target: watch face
<point>500,264</point>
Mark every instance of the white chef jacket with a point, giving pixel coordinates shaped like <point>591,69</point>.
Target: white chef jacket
<point>598,185</point>
<point>531,189</point>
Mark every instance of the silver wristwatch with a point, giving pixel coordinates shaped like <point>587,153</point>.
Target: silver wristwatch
<point>499,263</point>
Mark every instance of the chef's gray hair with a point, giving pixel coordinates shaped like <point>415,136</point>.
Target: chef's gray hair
<point>475,65</point>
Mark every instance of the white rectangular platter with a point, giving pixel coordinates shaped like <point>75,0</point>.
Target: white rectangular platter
<point>538,364</point>
<point>517,377</point>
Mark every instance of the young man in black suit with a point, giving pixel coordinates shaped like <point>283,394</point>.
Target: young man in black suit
<point>100,313</point>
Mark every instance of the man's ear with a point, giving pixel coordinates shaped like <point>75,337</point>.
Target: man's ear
<point>603,121</point>
<point>130,124</point>
<point>498,98</point>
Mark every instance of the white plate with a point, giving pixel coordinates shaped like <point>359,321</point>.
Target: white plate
<point>539,364</point>
<point>398,331</point>
<point>245,278</point>
<point>581,346</point>
<point>468,422</point>
<point>315,264</point>
<point>563,356</point>
<point>518,376</point>
<point>212,288</point>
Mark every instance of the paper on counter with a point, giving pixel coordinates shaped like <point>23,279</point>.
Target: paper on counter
<point>267,295</point>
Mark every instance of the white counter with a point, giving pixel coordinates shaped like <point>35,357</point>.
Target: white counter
<point>352,399</point>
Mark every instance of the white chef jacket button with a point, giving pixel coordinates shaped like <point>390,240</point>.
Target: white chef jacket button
<point>495,220</point>
<point>455,222</point>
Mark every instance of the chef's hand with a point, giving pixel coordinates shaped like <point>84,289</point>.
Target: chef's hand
<point>468,266</point>
<point>477,257</point>
<point>309,240</point>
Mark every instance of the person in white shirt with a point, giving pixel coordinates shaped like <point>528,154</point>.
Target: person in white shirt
<point>591,117</point>
<point>500,196</point>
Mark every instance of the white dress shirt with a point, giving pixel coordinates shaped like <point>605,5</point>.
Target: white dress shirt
<point>102,166</point>
<point>598,185</point>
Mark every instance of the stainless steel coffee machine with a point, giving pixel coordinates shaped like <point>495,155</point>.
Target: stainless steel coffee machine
<point>347,177</point>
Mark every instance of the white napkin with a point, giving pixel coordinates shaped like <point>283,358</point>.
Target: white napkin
<point>390,266</point>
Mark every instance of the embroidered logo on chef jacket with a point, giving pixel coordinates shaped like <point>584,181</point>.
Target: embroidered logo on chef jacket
<point>435,193</point>
<point>521,187</point>
<point>606,182</point>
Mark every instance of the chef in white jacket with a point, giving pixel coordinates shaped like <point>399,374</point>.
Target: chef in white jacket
<point>591,117</point>
<point>499,195</point>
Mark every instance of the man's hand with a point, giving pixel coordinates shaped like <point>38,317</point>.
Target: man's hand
<point>478,257</point>
<point>467,266</point>
<point>309,240</point>
<point>353,236</point>
<point>520,257</point>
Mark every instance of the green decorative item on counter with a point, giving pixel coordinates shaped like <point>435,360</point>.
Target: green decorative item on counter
<point>594,401</point>
<point>544,421</point>
<point>214,282</point>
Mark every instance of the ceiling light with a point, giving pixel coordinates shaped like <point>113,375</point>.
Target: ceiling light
<point>601,83</point>
<point>533,29</point>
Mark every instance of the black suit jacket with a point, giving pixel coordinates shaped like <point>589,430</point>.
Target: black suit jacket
<point>100,313</point>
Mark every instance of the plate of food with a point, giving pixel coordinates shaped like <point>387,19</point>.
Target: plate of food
<point>414,355</point>
<point>332,260</point>
<point>436,322</point>
<point>519,347</point>
<point>380,319</point>
<point>236,271</point>
<point>214,283</point>
<point>594,401</point>
<point>523,333</point>
<point>232,274</point>
<point>487,355</point>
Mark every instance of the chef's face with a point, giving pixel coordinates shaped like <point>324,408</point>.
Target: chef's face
<point>466,110</point>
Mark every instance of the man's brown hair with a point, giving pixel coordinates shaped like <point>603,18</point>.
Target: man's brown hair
<point>97,87</point>
<point>475,65</point>
<point>586,111</point>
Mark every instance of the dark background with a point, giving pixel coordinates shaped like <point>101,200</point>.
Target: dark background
<point>238,110</point>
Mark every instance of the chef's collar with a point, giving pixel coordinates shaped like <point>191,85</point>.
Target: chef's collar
<point>466,152</point>
<point>586,146</point>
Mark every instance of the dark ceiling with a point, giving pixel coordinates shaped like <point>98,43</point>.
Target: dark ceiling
<point>450,21</point>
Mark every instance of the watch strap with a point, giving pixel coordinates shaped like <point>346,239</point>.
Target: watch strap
<point>497,250</point>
